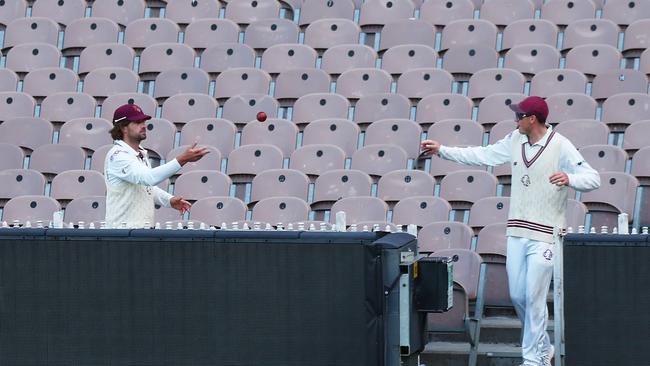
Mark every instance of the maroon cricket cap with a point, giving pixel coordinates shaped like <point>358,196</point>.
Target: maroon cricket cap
<point>531,105</point>
<point>129,112</point>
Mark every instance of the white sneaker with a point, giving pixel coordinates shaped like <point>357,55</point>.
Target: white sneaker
<point>548,356</point>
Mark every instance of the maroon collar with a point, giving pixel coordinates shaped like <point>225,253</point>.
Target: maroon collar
<point>523,151</point>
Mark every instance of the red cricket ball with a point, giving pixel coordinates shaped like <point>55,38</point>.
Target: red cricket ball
<point>261,116</point>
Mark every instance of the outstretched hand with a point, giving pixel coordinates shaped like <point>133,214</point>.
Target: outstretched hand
<point>180,204</point>
<point>430,147</point>
<point>192,154</point>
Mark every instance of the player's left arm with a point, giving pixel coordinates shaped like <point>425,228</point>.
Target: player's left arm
<point>160,197</point>
<point>575,171</point>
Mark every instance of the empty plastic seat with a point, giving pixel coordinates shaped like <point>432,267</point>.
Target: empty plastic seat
<point>617,194</point>
<point>105,55</point>
<point>374,107</point>
<point>64,12</point>
<point>457,132</point>
<point>402,58</point>
<point>98,158</point>
<point>491,244</point>
<point>164,57</point>
<point>217,210</point>
<point>501,130</point>
<point>243,80</point>
<point>470,59</point>
<point>205,33</point>
<point>222,57</point>
<point>421,210</point>
<point>26,132</point>
<point>359,209</point>
<point>313,10</point>
<point>620,110</point>
<point>73,184</point>
<point>489,210</point>
<point>281,210</point>
<point>10,10</point>
<point>187,12</point>
<point>121,12</point>
<point>568,106</point>
<point>12,156</point>
<point>641,167</point>
<point>197,184</point>
<point>326,33</point>
<point>31,30</point>
<point>160,138</point>
<point>49,80</point>
<point>280,183</point>
<point>469,32</point>
<point>87,209</point>
<point>441,106</point>
<point>31,208</point>
<point>181,80</point>
<point>8,80</point>
<point>357,83</point>
<point>265,33</point>
<point>144,101</point>
<point>504,12</point>
<point>529,31</point>
<point>407,31</point>
<point>380,12</point>
<point>637,37</point>
<point>105,81</point>
<point>26,57</point>
<point>335,131</point>
<point>248,11</point>
<point>314,106</point>
<point>576,213</point>
<point>142,33</point>
<point>496,107</point>
<point>605,158</point>
<point>464,187</point>
<point>400,184</point>
<point>19,182</point>
<point>317,159</point>
<point>242,109</point>
<point>645,62</point>
<point>400,132</point>
<point>53,159</point>
<point>249,160</point>
<point>564,12</point>
<point>443,12</point>
<point>184,107</point>
<point>278,132</point>
<point>83,32</point>
<point>16,104</point>
<point>379,159</point>
<point>490,81</point>
<point>636,136</point>
<point>444,234</point>
<point>548,82</point>
<point>60,107</point>
<point>532,58</point>
<point>89,133</point>
<point>284,57</point>
<point>340,183</point>
<point>593,59</point>
<point>211,161</point>
<point>584,132</point>
<point>609,83</point>
<point>343,57</point>
<point>293,84</point>
<point>418,83</point>
<point>624,12</point>
<point>586,31</point>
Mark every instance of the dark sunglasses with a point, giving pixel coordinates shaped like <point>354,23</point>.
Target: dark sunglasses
<point>520,116</point>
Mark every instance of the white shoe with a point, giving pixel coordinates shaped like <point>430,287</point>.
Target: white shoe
<point>548,356</point>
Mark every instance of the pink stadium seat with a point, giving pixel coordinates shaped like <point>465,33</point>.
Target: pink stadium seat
<point>339,132</point>
<point>84,32</point>
<point>529,31</point>
<point>217,210</point>
<point>224,56</point>
<point>184,107</point>
<point>404,183</point>
<point>374,107</point>
<point>313,10</point>
<point>53,159</point>
<point>504,12</point>
<point>20,182</point>
<point>243,80</point>
<point>620,110</point>
<point>31,30</point>
<point>469,32</point>
<point>617,193</point>
<point>31,208</point>
<point>40,83</point>
<point>187,12</point>
<point>248,11</point>
<point>584,132</point>
<point>88,133</point>
<point>8,80</point>
<point>442,12</point>
<point>326,33</point>
<point>612,82</point>
<point>197,184</point>
<point>469,59</point>
<point>284,57</point>
<point>420,82</point>
<point>216,132</point>
<point>278,132</point>
<point>26,132</point>
<point>360,208</point>
<point>12,156</point>
<point>160,138</point>
<point>265,33</point>
<point>280,183</point>
<point>567,106</point>
<point>586,31</point>
<point>495,108</point>
<point>281,210</point>
<point>343,57</point>
<point>400,132</point>
<point>464,187</point>
<point>490,81</point>
<point>73,184</point>
<point>293,84</point>
<point>531,59</point>
<point>314,106</point>
<point>624,12</point>
<point>605,158</point>
<point>564,12</point>
<point>106,81</point>
<point>121,12</point>
<point>144,101</point>
<point>407,31</point>
<point>10,10</point>
<point>548,82</point>
<point>402,58</point>
<point>421,210</point>
<point>441,106</point>
<point>593,59</point>
<point>211,161</point>
<point>64,12</point>
<point>61,107</point>
<point>142,33</point>
<point>26,57</point>
<point>209,32</point>
<point>488,210</point>
<point>443,235</point>
<point>379,159</point>
<point>336,184</point>
<point>242,109</point>
<point>317,159</point>
<point>87,209</point>
<point>16,104</point>
<point>105,55</point>
<point>161,57</point>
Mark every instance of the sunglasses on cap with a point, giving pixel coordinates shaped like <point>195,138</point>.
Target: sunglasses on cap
<point>520,116</point>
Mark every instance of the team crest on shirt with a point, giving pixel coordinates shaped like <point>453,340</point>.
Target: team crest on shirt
<point>525,180</point>
<point>548,254</point>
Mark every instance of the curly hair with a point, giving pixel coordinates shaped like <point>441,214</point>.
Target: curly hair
<point>116,131</point>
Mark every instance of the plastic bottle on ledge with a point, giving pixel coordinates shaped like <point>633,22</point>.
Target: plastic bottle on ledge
<point>28,224</point>
<point>168,225</point>
<point>644,230</point>
<point>603,229</point>
<point>341,223</point>
<point>179,226</point>
<point>623,223</point>
<point>592,230</point>
<point>634,231</point>
<point>353,228</point>
<point>245,226</point>
<point>91,225</point>
<point>39,224</point>
<point>312,227</point>
<point>190,225</point>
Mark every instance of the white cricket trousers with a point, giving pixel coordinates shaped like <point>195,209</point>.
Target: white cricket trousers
<point>530,269</point>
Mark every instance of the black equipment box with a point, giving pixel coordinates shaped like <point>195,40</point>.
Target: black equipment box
<point>434,285</point>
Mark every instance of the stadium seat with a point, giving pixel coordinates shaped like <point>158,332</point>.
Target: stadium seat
<point>461,60</point>
<point>605,158</point>
<point>281,210</point>
<point>315,106</point>
<point>567,106</point>
<point>142,33</point>
<point>19,182</point>
<point>84,32</point>
<point>576,213</point>
<point>242,109</point>
<point>216,132</point>
<point>89,133</point>
<point>8,80</point>
<point>421,210</point>
<point>12,156</point>
<point>441,106</point>
<point>464,187</point>
<point>160,57</point>
<point>593,59</point>
<point>418,83</point>
<point>217,210</point>
<point>407,31</point>
<point>469,32</point>
<point>325,33</point>
<point>645,62</point>
<point>491,245</point>
<point>359,209</point>
<point>400,184</point>
<point>376,13</point>
<point>106,81</point>
<point>184,107</point>
<point>87,209</point>
<point>617,194</point>
<point>247,11</point>
<point>504,12</point>
<point>105,55</point>
<point>144,101</point>
<point>121,12</point>
<point>211,161</point>
<point>401,132</point>
<point>374,107</point>
<point>31,208</point>
<point>244,80</point>
<point>356,83</point>
<point>496,107</point>
<point>197,184</point>
<point>293,84</point>
<point>210,32</point>
<point>72,184</point>
<point>280,183</point>
<point>584,132</point>
<point>40,83</point>
<point>343,57</point>
<point>181,80</point>
<point>339,132</point>
<point>284,57</point>
<point>278,132</point>
<point>637,38</point>
<point>401,58</point>
<point>16,104</point>
<point>564,12</point>
<point>530,59</point>
<point>54,159</point>
<point>443,235</point>
<point>529,31</point>
<point>246,161</point>
<point>188,12</point>
<point>380,159</point>
<point>222,57</point>
<point>548,82</point>
<point>10,10</point>
<point>160,138</point>
<point>443,12</point>
<point>612,82</point>
<point>31,30</point>
<point>636,136</point>
<point>264,33</point>
<point>64,106</point>
<point>336,184</point>
<point>317,159</point>
<point>26,57</point>
<point>488,210</point>
<point>625,12</point>
<point>490,81</point>
<point>63,12</point>
<point>620,110</point>
<point>586,31</point>
<point>26,132</point>
<point>313,10</point>
<point>98,158</point>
